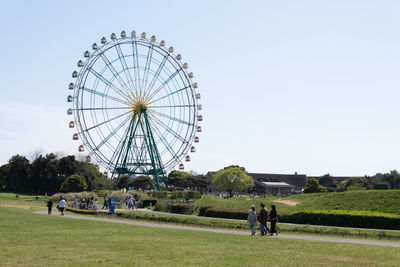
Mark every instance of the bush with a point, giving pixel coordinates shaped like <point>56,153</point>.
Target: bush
<point>202,210</point>
<point>361,219</point>
<point>159,194</point>
<point>73,196</point>
<point>147,202</point>
<point>104,193</point>
<point>226,213</point>
<point>175,208</point>
<point>74,183</point>
<point>185,195</point>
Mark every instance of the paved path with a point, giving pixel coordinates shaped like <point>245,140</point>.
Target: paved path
<point>238,220</point>
<point>222,231</point>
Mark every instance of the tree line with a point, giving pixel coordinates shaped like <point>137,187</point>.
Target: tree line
<point>47,173</point>
<point>380,181</point>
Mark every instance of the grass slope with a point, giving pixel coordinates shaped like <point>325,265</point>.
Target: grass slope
<point>28,239</point>
<point>387,201</point>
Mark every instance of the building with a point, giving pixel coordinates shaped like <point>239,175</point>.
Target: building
<point>276,184</point>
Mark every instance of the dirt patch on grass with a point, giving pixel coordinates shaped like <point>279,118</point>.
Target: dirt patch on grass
<point>291,203</point>
<point>15,206</point>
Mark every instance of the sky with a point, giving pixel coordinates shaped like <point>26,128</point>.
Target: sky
<point>287,86</point>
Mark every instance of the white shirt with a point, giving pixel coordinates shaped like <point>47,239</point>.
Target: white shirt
<point>62,203</point>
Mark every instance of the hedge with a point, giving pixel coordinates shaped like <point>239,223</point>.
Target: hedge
<point>360,219</point>
<point>226,213</point>
<point>175,208</point>
<point>185,195</point>
<point>147,202</point>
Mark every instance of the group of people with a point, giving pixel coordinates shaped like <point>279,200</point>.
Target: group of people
<point>263,217</point>
<point>61,206</point>
<point>131,203</point>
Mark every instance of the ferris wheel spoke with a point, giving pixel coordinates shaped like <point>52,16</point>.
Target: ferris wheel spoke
<point>104,108</point>
<point>105,140</point>
<point>125,67</point>
<point>158,72</point>
<point>147,66</point>
<point>168,129</point>
<point>135,58</point>
<point>114,72</point>
<point>165,83</point>
<point>104,95</point>
<point>107,121</point>
<point>168,95</point>
<point>172,118</point>
<point>173,106</point>
<point>164,141</point>
<point>107,82</point>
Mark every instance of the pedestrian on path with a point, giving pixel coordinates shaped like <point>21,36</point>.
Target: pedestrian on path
<point>62,205</point>
<point>262,219</point>
<point>252,219</point>
<point>274,219</point>
<point>49,206</point>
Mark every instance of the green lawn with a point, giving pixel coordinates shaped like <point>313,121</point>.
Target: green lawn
<point>387,201</point>
<point>30,239</point>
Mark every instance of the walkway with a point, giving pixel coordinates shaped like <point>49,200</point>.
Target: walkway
<point>238,220</point>
<point>222,231</point>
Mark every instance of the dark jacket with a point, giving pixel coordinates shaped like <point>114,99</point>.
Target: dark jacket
<point>273,215</point>
<point>49,204</point>
<point>263,216</point>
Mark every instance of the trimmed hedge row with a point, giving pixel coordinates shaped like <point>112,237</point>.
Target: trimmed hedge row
<point>175,208</point>
<point>361,219</point>
<point>225,213</point>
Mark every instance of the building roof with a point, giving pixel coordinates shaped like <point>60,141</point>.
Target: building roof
<point>277,184</point>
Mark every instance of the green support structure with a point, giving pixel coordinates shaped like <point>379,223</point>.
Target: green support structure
<point>141,165</point>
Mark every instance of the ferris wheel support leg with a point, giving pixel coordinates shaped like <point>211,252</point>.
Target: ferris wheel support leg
<point>154,155</point>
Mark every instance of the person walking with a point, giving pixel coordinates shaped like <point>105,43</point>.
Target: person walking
<point>252,219</point>
<point>274,219</point>
<point>62,205</point>
<point>262,219</point>
<point>49,206</point>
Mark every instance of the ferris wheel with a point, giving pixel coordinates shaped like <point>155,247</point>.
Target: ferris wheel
<point>135,106</point>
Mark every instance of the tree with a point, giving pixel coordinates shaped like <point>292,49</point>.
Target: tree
<point>68,166</point>
<point>327,180</point>
<point>380,185</point>
<point>142,182</point>
<point>74,183</point>
<point>178,179</point>
<point>18,177</point>
<point>102,183</point>
<point>231,179</point>
<point>354,183</point>
<point>313,186</point>
<point>124,181</point>
<point>3,176</point>
<point>43,173</point>
<point>393,178</point>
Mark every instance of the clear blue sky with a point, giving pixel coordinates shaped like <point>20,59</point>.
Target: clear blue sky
<point>306,86</point>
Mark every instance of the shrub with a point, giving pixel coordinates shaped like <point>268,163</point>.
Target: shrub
<point>175,208</point>
<point>202,210</point>
<point>73,196</point>
<point>344,218</point>
<point>160,194</point>
<point>226,213</point>
<point>185,195</point>
<point>74,183</point>
<point>147,202</point>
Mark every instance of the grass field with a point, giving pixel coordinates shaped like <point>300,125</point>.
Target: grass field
<point>27,239</point>
<point>387,201</point>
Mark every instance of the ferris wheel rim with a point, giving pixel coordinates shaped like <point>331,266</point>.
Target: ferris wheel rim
<point>190,131</point>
